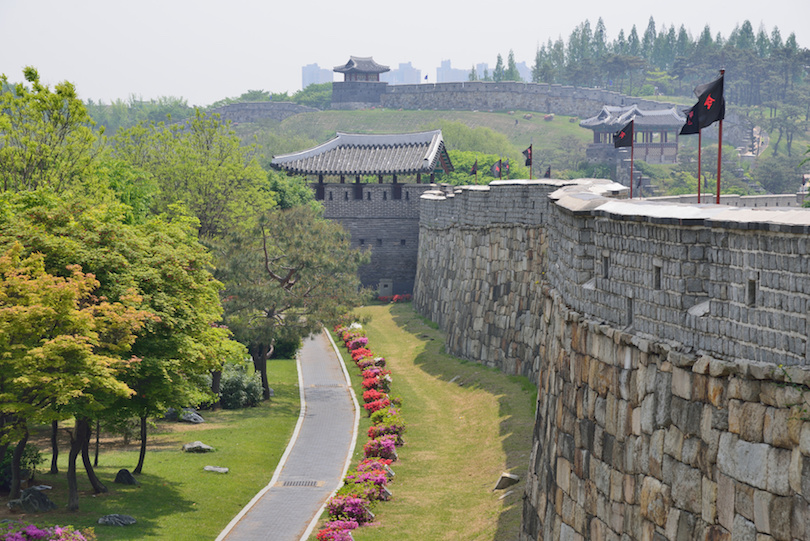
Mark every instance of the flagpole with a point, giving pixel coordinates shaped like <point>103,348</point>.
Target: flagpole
<point>719,147</point>
<point>700,139</point>
<point>632,148</point>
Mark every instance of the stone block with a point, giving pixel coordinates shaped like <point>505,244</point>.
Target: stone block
<point>735,416</point>
<point>686,485</point>
<point>742,460</point>
<point>708,500</point>
<point>753,418</point>
<point>744,500</point>
<point>681,383</point>
<point>779,461</point>
<point>795,470</point>
<point>743,530</point>
<point>655,500</point>
<point>775,428</point>
<point>800,521</point>
<point>725,501</point>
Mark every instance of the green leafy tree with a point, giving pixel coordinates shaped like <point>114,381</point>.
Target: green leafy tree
<point>61,349</point>
<point>46,136</point>
<point>200,164</point>
<point>284,275</point>
<point>498,72</point>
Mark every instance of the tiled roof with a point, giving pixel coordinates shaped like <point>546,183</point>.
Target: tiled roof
<point>362,64</point>
<point>614,117</point>
<point>360,154</point>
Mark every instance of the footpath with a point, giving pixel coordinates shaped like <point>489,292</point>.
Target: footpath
<point>316,458</point>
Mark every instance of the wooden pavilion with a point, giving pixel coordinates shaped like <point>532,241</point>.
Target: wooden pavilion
<point>656,132</point>
<point>361,68</point>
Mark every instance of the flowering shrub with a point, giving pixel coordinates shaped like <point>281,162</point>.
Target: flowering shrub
<point>372,394</point>
<point>395,298</point>
<point>359,353</point>
<point>371,407</point>
<point>359,342</point>
<point>17,531</point>
<point>382,416</point>
<point>337,530</point>
<point>372,383</point>
<point>384,447</point>
<point>364,363</point>
<point>373,463</point>
<point>349,508</point>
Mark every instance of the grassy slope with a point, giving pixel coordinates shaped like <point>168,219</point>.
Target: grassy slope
<point>322,126</point>
<point>461,435</point>
<point>176,499</point>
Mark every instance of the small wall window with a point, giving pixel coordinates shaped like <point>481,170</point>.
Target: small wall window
<point>605,266</point>
<point>402,242</point>
<point>368,196</point>
<point>407,196</point>
<point>385,196</point>
<point>657,276</point>
<point>397,192</point>
<point>379,242</point>
<point>362,242</point>
<point>330,196</point>
<point>751,293</point>
<point>345,196</point>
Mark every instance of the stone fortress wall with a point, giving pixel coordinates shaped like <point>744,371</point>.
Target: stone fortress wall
<point>669,343</point>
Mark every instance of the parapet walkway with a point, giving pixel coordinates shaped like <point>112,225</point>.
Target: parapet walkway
<point>316,458</point>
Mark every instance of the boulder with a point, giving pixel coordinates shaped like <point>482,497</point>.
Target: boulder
<point>32,501</point>
<point>116,520</point>
<point>197,447</point>
<point>124,477</point>
<point>190,416</point>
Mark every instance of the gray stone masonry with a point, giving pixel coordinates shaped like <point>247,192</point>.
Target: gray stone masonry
<point>668,342</point>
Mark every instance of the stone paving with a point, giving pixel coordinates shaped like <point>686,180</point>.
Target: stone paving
<point>317,454</point>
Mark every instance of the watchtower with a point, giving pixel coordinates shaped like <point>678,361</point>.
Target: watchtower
<point>381,216</point>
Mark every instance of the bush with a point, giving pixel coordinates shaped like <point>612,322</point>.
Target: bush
<point>238,389</point>
<point>286,349</point>
<point>31,458</point>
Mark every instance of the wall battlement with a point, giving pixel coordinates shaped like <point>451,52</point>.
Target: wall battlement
<point>669,343</point>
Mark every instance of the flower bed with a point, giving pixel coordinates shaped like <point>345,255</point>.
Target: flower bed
<point>367,484</point>
<point>18,531</point>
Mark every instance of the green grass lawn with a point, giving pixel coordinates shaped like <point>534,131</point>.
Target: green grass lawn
<point>176,499</point>
<point>465,425</point>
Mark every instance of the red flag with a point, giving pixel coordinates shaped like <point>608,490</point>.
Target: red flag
<point>496,169</point>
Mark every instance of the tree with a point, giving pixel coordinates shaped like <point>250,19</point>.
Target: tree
<point>46,137</point>
<point>163,262</point>
<point>283,275</point>
<point>511,73</point>
<point>200,165</point>
<point>498,72</point>
<point>61,348</point>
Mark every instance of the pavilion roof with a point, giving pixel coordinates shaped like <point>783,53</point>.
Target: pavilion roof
<point>361,64</point>
<point>612,118</point>
<point>364,154</point>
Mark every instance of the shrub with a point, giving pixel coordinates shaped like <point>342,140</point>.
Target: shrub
<point>18,531</point>
<point>238,389</point>
<point>337,530</point>
<point>29,461</point>
<point>286,348</point>
<point>350,508</point>
<point>383,447</point>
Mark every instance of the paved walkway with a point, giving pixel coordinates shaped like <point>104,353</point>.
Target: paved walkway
<point>316,458</point>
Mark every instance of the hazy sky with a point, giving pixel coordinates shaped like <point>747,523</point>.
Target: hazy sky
<point>206,50</point>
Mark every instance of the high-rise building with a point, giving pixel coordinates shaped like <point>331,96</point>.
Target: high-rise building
<point>405,74</point>
<point>447,74</point>
<point>314,74</point>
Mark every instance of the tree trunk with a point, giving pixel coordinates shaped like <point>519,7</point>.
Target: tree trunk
<point>216,380</point>
<point>142,455</point>
<point>98,486</point>
<point>16,458</point>
<point>75,448</point>
<point>54,447</point>
<point>98,435</point>
<point>260,354</point>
